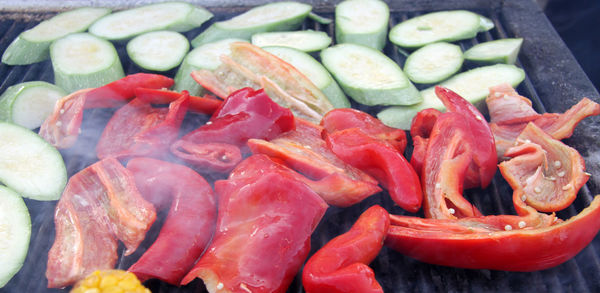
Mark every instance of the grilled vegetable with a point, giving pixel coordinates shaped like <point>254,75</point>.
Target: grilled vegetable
<point>29,165</point>
<point>159,50</point>
<point>473,85</point>
<point>438,26</point>
<point>362,22</point>
<point>342,264</point>
<point>368,76</point>
<point>84,61</point>
<point>126,24</point>
<point>15,231</point>
<point>110,281</point>
<point>306,41</point>
<point>497,51</point>
<point>279,16</point>
<point>433,63</point>
<point>29,103</point>
<point>32,45</point>
<point>315,71</point>
<point>206,56</point>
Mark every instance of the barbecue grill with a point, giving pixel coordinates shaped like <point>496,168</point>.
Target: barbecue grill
<point>554,81</point>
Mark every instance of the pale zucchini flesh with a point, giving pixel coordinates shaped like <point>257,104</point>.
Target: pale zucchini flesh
<point>473,85</point>
<point>29,165</point>
<point>206,56</point>
<point>368,76</point>
<point>306,41</point>
<point>83,61</point>
<point>158,50</point>
<point>126,24</point>
<point>32,45</point>
<point>363,22</point>
<point>315,71</point>
<point>497,51</point>
<point>433,63</point>
<point>29,103</point>
<point>278,16</point>
<point>15,233</point>
<point>439,26</point>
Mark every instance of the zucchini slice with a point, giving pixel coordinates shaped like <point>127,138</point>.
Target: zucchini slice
<point>363,22</point>
<point>439,26</point>
<point>206,56</point>
<point>433,63</point>
<point>173,16</point>
<point>368,76</point>
<point>497,51</point>
<point>473,85</point>
<point>306,41</point>
<point>29,165</point>
<point>315,71</point>
<point>15,233</point>
<point>278,16</point>
<point>29,103</point>
<point>158,50</point>
<point>83,60</point>
<point>32,45</point>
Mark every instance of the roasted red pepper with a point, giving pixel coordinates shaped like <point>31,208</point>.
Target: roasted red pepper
<point>420,130</point>
<point>207,104</point>
<point>380,160</point>
<point>211,156</point>
<point>190,222</point>
<point>62,127</point>
<point>262,238</point>
<point>305,151</point>
<point>99,205</point>
<point>344,118</point>
<point>138,129</point>
<point>342,264</point>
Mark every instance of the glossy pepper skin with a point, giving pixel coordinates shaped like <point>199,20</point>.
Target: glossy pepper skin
<point>138,129</point>
<point>204,105</point>
<point>189,225</point>
<point>62,127</point>
<point>342,264</point>
<point>380,160</point>
<point>263,230</point>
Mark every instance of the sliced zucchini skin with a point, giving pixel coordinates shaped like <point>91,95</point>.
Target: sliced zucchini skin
<point>223,29</point>
<point>8,98</point>
<point>194,18</point>
<point>400,91</point>
<point>320,77</point>
<point>306,40</point>
<point>30,149</point>
<point>444,58</point>
<point>13,209</point>
<point>477,53</point>
<point>142,48</point>
<point>24,50</point>
<point>375,39</point>
<point>71,82</point>
<point>401,117</point>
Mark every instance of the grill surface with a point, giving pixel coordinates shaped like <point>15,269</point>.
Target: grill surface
<point>554,82</point>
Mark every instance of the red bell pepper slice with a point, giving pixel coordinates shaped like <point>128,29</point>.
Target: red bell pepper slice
<point>99,205</point>
<point>342,264</point>
<point>62,127</point>
<point>207,104</point>
<point>245,114</point>
<point>420,130</point>
<point>344,118</point>
<point>510,113</point>
<point>138,129</point>
<point>447,160</point>
<point>263,233</point>
<point>305,151</point>
<point>211,156</point>
<point>548,172</point>
<point>483,164</point>
<point>381,161</point>
<point>190,222</point>
<point>493,242</point>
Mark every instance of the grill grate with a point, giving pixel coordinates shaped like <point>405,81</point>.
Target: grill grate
<point>395,272</point>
